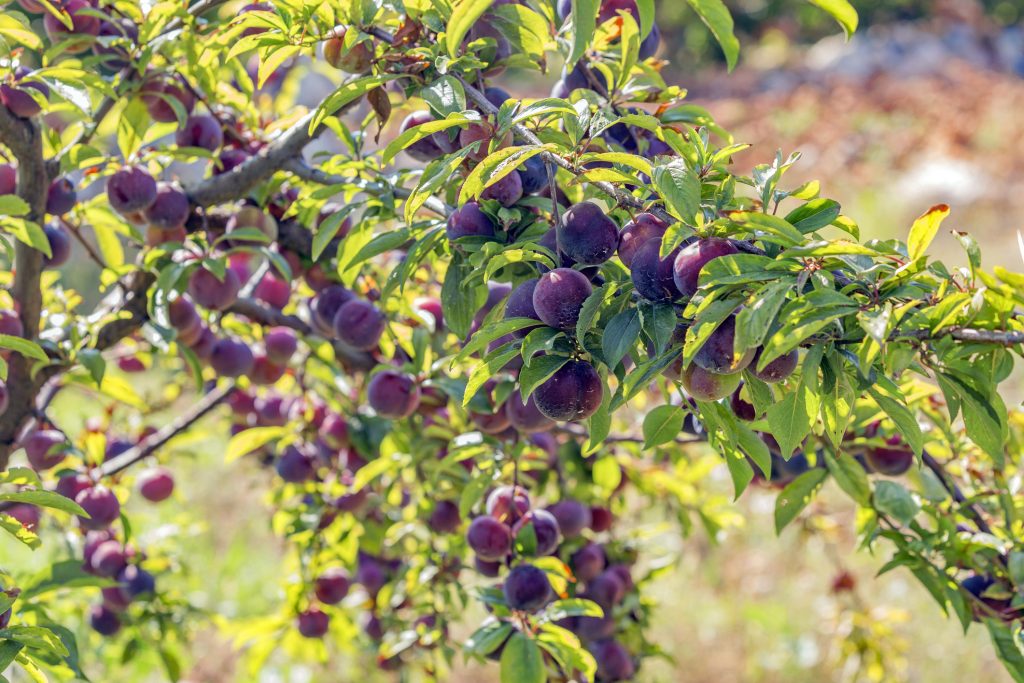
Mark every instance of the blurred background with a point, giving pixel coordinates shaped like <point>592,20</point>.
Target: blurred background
<point>925,104</point>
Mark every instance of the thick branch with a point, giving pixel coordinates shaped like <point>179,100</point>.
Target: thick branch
<point>247,175</point>
<point>149,445</point>
<point>24,139</point>
<point>964,334</point>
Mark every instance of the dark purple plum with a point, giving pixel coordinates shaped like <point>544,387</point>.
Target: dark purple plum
<point>527,588</point>
<point>131,189</point>
<point>507,503</point>
<point>273,291</point>
<point>264,371</point>
<point>357,59</point>
<point>506,191</point>
<point>102,506</point>
<point>650,45</point>
<point>83,24</point>
<point>445,517</point>
<point>587,235</point>
<point>893,459</point>
<point>121,35</point>
<point>60,196</point>
<point>28,515</point>
<point>294,466</point>
<point>777,370</point>
<point>103,619</point>
<point>533,175</point>
<point>332,585</point>
<point>231,357</point>
<point>692,258</point>
<point>229,159</point>
<point>157,93</point>
<point>201,130</point>
<point>652,274</point>
<point>559,295</point>
<point>601,518</point>
<point>60,246</point>
<point>635,234</point>
<point>325,305</point>
<point>545,531</point>
<point>108,559</point>
<point>607,590</point>
<point>469,221</point>
<point>281,344</point>
<point>16,97</point>
<point>588,562</point>
<point>155,484</point>
<point>495,95</point>
<point>490,539</point>
<point>334,431</point>
<point>45,449</point>
<point>525,416</point>
<point>313,623</point>
<point>573,393</point>
<point>8,179</point>
<point>432,146</point>
<point>742,408</point>
<point>70,485</point>
<point>393,394</point>
<point>359,324</point>
<point>573,517</point>
<point>209,291</point>
<point>136,581</point>
<point>169,210</point>
<point>718,354</point>
<point>185,319</point>
<point>520,305</point>
<point>614,663</point>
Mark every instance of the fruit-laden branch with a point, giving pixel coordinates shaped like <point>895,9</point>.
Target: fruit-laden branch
<point>350,358</point>
<point>150,444</point>
<point>24,139</point>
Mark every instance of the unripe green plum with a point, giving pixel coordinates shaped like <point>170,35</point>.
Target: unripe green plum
<point>708,386</point>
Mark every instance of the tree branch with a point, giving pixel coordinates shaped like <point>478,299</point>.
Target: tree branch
<point>150,444</point>
<point>965,334</point>
<point>24,138</point>
<point>247,175</point>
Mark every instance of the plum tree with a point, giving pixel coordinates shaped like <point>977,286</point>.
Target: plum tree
<point>559,295</point>
<point>587,235</point>
<point>241,268</point>
<point>574,392</point>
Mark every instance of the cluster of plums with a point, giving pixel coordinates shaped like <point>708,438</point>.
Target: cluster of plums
<point>102,553</point>
<point>512,531</point>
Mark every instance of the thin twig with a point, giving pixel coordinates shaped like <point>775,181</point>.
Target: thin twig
<point>150,444</point>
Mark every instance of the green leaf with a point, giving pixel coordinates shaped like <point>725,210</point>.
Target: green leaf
<point>909,429</point>
<point>813,215</point>
<point>754,320</point>
<point>46,499</point>
<point>1008,646</point>
<point>894,500</point>
<point>573,607</point>
<point>328,230</point>
<point>465,14</point>
<point>488,637</point>
<point>9,649</point>
<point>924,230</point>
<point>27,232</point>
<point>249,440</point>
<point>790,420</point>
<point>489,333</point>
<point>421,131</point>
<point>460,305</point>
<point>716,16</point>
<point>347,92</point>
<point>491,365</point>
<point>27,348</point>
<point>521,661</point>
<point>13,205</point>
<point>795,497</point>
<point>850,476</point>
<point>445,96</point>
<point>679,186</point>
<point>584,22</point>
<point>662,425</point>
<point>132,126</point>
<point>15,528</point>
<point>842,11</point>
<point>592,306</point>
<point>93,361</point>
<point>620,336</point>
